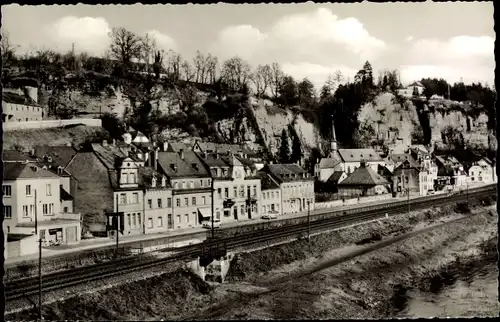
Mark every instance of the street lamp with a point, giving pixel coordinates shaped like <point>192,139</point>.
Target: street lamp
<point>39,261</point>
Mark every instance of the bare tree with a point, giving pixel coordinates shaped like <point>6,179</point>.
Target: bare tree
<point>235,72</point>
<point>125,45</point>
<point>338,77</point>
<point>174,62</point>
<point>8,50</point>
<point>189,73</point>
<point>147,49</point>
<point>261,79</point>
<point>276,79</point>
<point>211,72</point>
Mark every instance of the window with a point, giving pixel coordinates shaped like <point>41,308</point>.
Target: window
<point>25,211</point>
<point>277,207</point>
<point>32,209</point>
<point>183,185</point>
<point>7,191</point>
<point>193,201</point>
<point>45,209</point>
<point>135,197</point>
<point>160,221</point>
<point>194,216</point>
<point>226,192</point>
<point>169,202</point>
<point>123,198</point>
<point>42,234</point>
<point>7,211</point>
<point>203,200</point>
<point>242,209</point>
<point>134,220</point>
<point>219,192</point>
<point>186,216</point>
<point>235,192</point>
<point>242,191</point>
<point>201,183</point>
<point>150,203</point>
<point>178,202</point>
<point>176,185</point>
<point>159,203</point>
<point>150,223</point>
<point>65,209</point>
<point>28,190</point>
<point>254,191</point>
<point>186,202</point>
<point>139,219</point>
<point>48,189</point>
<point>128,220</point>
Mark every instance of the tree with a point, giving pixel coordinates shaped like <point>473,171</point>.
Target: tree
<point>306,92</point>
<point>125,45</point>
<point>174,62</point>
<point>367,76</point>
<point>199,67</point>
<point>113,125</point>
<point>147,50</point>
<point>235,72</point>
<point>453,138</point>
<point>188,71</point>
<point>261,78</point>
<point>296,154</point>
<point>211,66</point>
<point>288,94</point>
<point>276,79</point>
<point>415,91</point>
<point>364,136</point>
<point>8,50</point>
<point>284,151</point>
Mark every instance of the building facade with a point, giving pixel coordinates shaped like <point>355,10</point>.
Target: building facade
<point>30,191</point>
<point>296,185</point>
<point>19,107</point>
<point>271,195</point>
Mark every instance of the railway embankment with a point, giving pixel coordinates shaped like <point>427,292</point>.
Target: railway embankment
<point>365,286</point>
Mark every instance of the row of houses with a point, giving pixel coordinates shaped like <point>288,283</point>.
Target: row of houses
<point>158,187</point>
<point>406,170</point>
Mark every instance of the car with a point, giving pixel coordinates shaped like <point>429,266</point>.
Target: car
<point>430,192</point>
<point>208,224</point>
<point>270,215</point>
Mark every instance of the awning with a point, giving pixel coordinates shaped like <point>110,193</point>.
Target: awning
<point>204,213</point>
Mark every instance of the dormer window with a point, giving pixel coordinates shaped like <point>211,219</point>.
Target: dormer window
<point>195,166</point>
<point>153,182</point>
<point>173,166</point>
<point>163,181</point>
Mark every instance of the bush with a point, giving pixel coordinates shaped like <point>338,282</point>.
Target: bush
<point>462,208</point>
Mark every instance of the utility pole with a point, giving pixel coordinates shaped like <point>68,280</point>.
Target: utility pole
<point>39,262</point>
<point>309,221</point>
<point>212,203</point>
<point>117,225</point>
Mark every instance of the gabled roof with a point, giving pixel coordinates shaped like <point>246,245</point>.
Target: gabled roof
<point>419,147</point>
<point>419,84</point>
<point>335,177</point>
<point>177,147</point>
<point>16,156</point>
<point>146,175</point>
<point>328,163</point>
<point>64,195</point>
<point>224,148</point>
<point>18,170</point>
<point>191,166</point>
<point>61,155</point>
<point>364,176</point>
<point>358,155</point>
<point>14,98</point>
<point>383,171</point>
<point>398,158</point>
<point>266,182</point>
<point>211,160</point>
<point>407,164</point>
<point>286,172</point>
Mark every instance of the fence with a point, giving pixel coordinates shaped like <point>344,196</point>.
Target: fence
<point>351,201</point>
<point>11,126</point>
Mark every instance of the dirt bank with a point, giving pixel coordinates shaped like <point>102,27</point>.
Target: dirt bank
<point>360,287</point>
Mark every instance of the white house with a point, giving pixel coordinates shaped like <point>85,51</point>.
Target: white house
<point>482,171</point>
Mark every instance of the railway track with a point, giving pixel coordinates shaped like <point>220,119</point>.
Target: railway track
<point>28,286</point>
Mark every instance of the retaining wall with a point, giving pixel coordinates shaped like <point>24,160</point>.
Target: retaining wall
<point>10,126</point>
<point>353,201</point>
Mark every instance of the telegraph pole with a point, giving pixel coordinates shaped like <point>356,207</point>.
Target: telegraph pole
<point>39,262</point>
<point>117,225</point>
<point>212,203</point>
<point>309,221</point>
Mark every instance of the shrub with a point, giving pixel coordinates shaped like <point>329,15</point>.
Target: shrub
<point>462,208</point>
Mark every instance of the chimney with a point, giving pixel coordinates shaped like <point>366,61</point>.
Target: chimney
<point>181,152</point>
<point>153,182</point>
<point>155,159</point>
<point>363,164</point>
<point>105,143</point>
<point>165,146</point>
<point>217,155</point>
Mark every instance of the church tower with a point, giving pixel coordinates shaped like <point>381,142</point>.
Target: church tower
<point>333,143</point>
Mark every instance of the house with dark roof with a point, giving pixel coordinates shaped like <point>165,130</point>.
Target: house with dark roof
<point>451,173</point>
<point>393,160</point>
<point>17,156</point>
<point>19,106</point>
<point>411,178</point>
<point>296,185</point>
<point>224,149</point>
<point>363,182</point>
<point>29,191</point>
<point>271,195</point>
<point>191,187</point>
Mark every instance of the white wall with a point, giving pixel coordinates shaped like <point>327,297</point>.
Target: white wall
<point>10,126</point>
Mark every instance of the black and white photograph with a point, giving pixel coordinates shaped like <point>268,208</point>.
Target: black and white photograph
<point>305,161</point>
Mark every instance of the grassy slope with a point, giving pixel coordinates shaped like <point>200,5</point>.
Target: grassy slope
<point>52,136</point>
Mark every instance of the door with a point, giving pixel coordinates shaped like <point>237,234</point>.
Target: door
<point>71,235</point>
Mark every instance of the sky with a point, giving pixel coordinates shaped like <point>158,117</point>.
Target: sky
<point>450,40</point>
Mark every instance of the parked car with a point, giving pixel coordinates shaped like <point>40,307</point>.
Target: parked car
<point>430,192</point>
<point>208,224</point>
<point>270,215</point>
